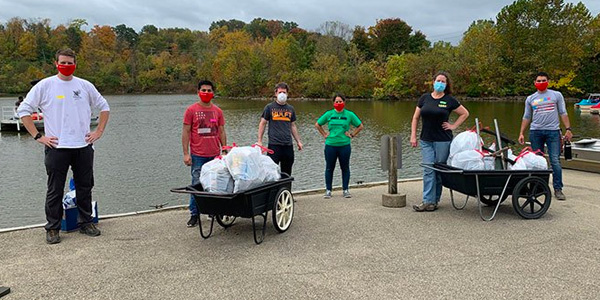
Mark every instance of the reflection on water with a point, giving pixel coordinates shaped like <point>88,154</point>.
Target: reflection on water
<point>139,158</point>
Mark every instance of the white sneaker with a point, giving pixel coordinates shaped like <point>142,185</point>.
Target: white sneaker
<point>347,194</point>
<point>327,194</point>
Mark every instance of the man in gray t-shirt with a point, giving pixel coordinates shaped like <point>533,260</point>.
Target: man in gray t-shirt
<point>281,120</point>
<point>542,110</point>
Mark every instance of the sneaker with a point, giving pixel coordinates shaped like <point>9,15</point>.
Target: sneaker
<point>347,194</point>
<point>193,221</point>
<point>327,194</point>
<point>52,236</point>
<point>90,229</point>
<point>559,195</point>
<point>425,207</point>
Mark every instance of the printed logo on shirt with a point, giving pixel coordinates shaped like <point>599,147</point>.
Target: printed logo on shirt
<point>207,123</point>
<point>281,115</point>
<point>442,104</point>
<point>543,105</point>
<point>60,97</point>
<point>77,95</point>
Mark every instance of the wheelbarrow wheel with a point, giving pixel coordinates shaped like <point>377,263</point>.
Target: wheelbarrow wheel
<point>225,221</point>
<point>283,210</point>
<point>531,197</point>
<point>492,200</point>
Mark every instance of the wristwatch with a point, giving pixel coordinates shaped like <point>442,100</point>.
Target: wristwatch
<point>37,136</point>
<point>568,128</point>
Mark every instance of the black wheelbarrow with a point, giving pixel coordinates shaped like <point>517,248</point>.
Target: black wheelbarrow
<point>273,196</point>
<point>531,195</point>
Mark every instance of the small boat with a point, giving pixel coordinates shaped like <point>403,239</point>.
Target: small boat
<point>586,104</point>
<point>11,122</point>
<point>595,109</point>
<point>586,156</point>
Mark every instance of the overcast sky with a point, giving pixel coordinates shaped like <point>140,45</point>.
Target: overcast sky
<point>439,20</point>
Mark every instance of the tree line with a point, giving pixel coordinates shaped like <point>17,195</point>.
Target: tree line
<point>388,60</point>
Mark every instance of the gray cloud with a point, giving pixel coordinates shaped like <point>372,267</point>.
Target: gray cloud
<point>439,20</point>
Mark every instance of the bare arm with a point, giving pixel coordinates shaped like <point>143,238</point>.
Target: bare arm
<point>296,136</point>
<point>185,143</point>
<point>357,130</point>
<point>321,130</point>
<point>567,123</point>
<point>222,136</point>
<point>413,127</point>
<point>96,134</point>
<point>45,140</point>
<point>524,125</point>
<point>261,130</point>
<point>463,114</point>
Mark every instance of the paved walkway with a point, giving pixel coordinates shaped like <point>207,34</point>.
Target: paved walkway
<point>336,249</point>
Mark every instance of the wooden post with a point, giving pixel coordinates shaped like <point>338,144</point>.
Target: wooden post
<point>393,167</point>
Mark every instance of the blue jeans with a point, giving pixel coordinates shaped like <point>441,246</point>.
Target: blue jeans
<point>197,163</point>
<point>433,152</point>
<point>552,140</point>
<point>332,154</point>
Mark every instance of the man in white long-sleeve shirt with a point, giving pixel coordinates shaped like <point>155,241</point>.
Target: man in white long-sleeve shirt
<point>67,103</point>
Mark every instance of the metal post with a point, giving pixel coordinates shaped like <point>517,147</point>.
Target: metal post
<point>393,167</point>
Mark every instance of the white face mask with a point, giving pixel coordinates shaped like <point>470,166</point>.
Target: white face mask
<point>282,97</point>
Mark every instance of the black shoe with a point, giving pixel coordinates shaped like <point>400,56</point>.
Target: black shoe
<point>90,229</point>
<point>52,236</point>
<point>193,221</point>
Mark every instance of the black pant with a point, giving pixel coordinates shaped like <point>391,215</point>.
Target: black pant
<point>57,163</point>
<point>283,155</point>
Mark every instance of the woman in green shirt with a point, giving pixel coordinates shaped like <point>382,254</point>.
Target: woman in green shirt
<point>337,141</point>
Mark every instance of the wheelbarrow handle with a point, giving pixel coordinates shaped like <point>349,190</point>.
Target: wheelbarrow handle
<point>431,167</point>
<point>184,190</point>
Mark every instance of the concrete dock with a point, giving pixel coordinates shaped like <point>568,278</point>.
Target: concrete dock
<point>335,249</point>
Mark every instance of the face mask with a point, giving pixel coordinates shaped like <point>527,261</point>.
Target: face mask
<point>282,97</point>
<point>205,97</point>
<point>339,106</point>
<point>439,86</point>
<point>66,70</point>
<point>541,86</point>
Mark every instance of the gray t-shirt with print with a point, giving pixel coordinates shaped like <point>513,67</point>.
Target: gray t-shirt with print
<point>543,110</point>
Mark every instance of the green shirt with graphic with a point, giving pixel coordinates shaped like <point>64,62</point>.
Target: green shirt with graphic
<point>338,123</point>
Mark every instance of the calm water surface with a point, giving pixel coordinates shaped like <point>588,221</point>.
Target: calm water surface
<point>139,158</point>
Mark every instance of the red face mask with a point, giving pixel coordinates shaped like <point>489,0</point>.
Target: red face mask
<point>339,106</point>
<point>205,97</point>
<point>541,86</point>
<point>66,70</point>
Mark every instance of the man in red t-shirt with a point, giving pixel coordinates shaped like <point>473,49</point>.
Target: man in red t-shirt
<point>202,136</point>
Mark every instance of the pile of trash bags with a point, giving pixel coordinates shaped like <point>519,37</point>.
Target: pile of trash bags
<point>465,154</point>
<point>243,168</point>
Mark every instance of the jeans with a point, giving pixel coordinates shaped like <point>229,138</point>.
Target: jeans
<point>332,154</point>
<point>552,140</point>
<point>197,163</point>
<point>433,152</point>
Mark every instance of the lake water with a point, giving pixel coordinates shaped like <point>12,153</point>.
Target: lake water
<point>139,158</point>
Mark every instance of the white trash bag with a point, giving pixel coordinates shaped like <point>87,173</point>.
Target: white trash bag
<point>530,160</point>
<point>467,140</point>
<point>469,160</point>
<point>215,177</point>
<point>272,170</point>
<point>245,166</point>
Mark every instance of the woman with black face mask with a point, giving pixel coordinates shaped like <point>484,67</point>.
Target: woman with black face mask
<point>337,141</point>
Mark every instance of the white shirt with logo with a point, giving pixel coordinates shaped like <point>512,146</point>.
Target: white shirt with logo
<point>66,107</point>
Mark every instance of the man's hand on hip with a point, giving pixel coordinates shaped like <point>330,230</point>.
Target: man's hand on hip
<point>50,141</point>
<point>93,136</point>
